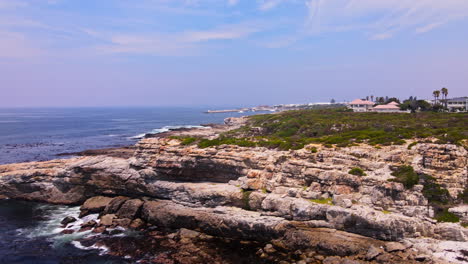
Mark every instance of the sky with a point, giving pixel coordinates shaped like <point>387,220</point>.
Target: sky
<point>228,52</point>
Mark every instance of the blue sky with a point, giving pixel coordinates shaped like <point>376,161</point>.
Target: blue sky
<point>228,52</point>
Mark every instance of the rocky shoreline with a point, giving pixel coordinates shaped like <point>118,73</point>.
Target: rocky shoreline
<point>297,206</point>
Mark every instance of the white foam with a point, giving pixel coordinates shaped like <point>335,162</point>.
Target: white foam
<point>102,249</point>
<point>165,129</point>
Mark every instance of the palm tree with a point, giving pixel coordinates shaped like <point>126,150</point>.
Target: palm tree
<point>436,94</point>
<point>372,98</point>
<point>444,93</point>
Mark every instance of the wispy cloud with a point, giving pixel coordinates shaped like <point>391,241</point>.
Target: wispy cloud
<point>382,19</point>
<point>269,4</point>
<point>171,44</point>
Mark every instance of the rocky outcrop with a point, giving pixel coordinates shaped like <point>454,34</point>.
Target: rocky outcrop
<point>297,198</point>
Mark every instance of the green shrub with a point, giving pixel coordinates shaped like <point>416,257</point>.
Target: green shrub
<point>446,216</point>
<point>246,199</point>
<point>313,150</point>
<point>463,197</point>
<point>406,175</point>
<point>357,171</point>
<point>433,192</point>
<point>188,141</point>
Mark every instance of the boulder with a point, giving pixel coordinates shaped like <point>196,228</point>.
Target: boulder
<point>67,220</point>
<point>394,246</point>
<point>130,209</point>
<point>115,204</point>
<point>107,219</point>
<point>94,205</point>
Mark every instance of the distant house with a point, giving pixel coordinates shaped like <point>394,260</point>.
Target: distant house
<point>388,108</point>
<point>460,103</point>
<point>359,105</point>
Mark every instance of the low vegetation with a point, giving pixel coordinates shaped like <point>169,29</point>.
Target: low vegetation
<point>357,171</point>
<point>328,201</point>
<point>341,128</point>
<point>446,216</point>
<point>405,175</point>
<point>246,199</point>
<point>434,192</point>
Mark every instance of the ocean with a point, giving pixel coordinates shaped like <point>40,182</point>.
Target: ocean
<point>30,232</point>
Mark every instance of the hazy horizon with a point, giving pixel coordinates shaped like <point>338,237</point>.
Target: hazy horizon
<point>150,53</point>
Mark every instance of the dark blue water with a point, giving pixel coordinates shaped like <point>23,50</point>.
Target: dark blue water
<point>41,134</point>
<point>30,232</point>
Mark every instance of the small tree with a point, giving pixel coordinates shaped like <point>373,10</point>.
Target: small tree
<point>444,94</point>
<point>332,101</point>
<point>436,94</point>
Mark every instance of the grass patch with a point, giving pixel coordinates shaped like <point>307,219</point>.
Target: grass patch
<point>328,201</point>
<point>386,212</point>
<point>357,171</point>
<point>339,127</point>
<point>446,216</point>
<point>406,175</point>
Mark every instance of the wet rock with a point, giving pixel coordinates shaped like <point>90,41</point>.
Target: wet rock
<point>67,220</point>
<point>91,223</point>
<point>84,229</point>
<point>94,205</point>
<point>99,229</point>
<point>67,231</point>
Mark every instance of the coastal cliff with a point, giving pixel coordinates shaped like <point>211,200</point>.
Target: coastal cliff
<point>291,200</point>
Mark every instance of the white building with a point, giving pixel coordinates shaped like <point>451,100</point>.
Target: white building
<point>359,105</point>
<point>460,103</point>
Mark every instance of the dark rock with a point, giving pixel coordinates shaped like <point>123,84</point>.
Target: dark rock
<point>84,229</point>
<point>115,204</point>
<point>130,209</point>
<point>67,220</point>
<point>67,231</point>
<point>99,229</point>
<point>91,223</point>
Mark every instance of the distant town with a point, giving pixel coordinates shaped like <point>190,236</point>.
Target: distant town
<point>371,104</point>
